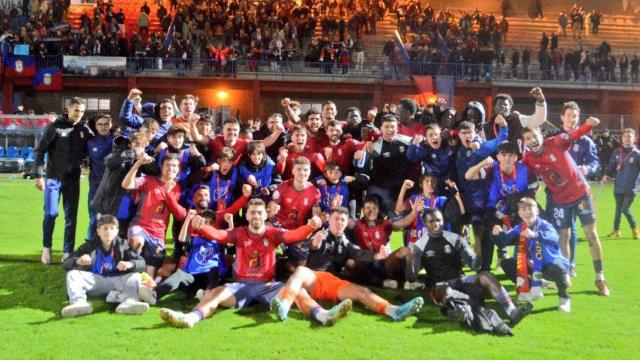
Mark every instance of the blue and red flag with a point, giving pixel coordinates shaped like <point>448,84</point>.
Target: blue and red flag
<point>48,80</point>
<point>19,66</point>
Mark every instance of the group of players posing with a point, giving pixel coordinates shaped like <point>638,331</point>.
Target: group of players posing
<point>325,172</point>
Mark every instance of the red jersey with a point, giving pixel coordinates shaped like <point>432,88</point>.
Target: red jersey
<point>295,206</point>
<point>316,159</point>
<point>255,253</point>
<point>411,130</point>
<point>318,142</point>
<point>557,168</point>
<point>217,144</point>
<point>154,208</point>
<point>182,123</point>
<point>372,237</point>
<point>342,154</point>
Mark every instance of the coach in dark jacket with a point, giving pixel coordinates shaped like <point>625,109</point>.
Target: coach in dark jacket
<point>64,141</point>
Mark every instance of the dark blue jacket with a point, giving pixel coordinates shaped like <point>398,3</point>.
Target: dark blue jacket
<point>266,175</point>
<point>625,166</point>
<point>436,162</point>
<point>98,148</point>
<point>585,153</point>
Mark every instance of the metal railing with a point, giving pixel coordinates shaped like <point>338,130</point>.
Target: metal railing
<point>368,71</point>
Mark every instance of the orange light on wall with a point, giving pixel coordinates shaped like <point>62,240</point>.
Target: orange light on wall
<point>222,95</point>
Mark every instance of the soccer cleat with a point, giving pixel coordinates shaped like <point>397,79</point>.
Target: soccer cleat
<point>147,295</point>
<point>565,305</point>
<point>46,256</point>
<point>603,289</point>
<point>77,309</point>
<point>175,318</point>
<point>65,256</point>
<point>636,233</point>
<point>519,313</point>
<point>132,307</point>
<point>279,309</point>
<point>390,284</point>
<point>200,294</point>
<point>338,312</point>
<point>615,234</point>
<point>407,309</point>
<point>413,285</point>
<point>533,295</point>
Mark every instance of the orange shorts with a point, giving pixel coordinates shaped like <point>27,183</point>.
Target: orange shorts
<point>327,286</point>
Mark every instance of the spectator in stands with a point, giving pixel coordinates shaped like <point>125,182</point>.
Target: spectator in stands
<point>562,22</point>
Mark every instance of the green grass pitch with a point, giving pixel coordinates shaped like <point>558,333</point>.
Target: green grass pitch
<point>32,295</point>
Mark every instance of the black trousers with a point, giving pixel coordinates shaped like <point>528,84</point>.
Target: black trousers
<point>189,284</point>
<point>550,272</point>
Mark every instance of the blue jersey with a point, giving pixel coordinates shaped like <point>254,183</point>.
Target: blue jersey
<point>476,191</point>
<point>221,189</point>
<point>436,162</point>
<point>501,186</point>
<point>329,191</point>
<point>98,147</point>
<point>585,153</point>
<point>104,263</point>
<point>625,166</point>
<point>204,256</point>
<point>263,174</point>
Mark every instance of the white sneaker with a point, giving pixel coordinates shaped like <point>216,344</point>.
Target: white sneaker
<point>65,256</point>
<point>147,295</point>
<point>176,319</point>
<point>413,285</point>
<point>565,305</point>
<point>77,309</point>
<point>532,295</point>
<point>132,307</point>
<point>390,284</point>
<point>46,256</point>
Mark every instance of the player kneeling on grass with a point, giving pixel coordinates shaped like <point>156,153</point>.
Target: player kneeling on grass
<point>330,250</point>
<point>104,266</point>
<point>443,258</point>
<point>537,253</point>
<point>254,269</point>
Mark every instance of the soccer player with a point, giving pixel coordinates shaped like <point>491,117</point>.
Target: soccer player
<point>101,266</point>
<point>503,105</point>
<point>340,150</point>
<point>585,154</point>
<point>474,192</point>
<point>317,138</point>
<point>536,243</point>
<point>625,166</point>
<point>259,171</point>
<point>133,114</point>
<point>64,141</point>
<point>549,158</point>
<point>330,251</point>
<point>98,147</point>
<point>297,200</point>
<point>188,105</point>
<point>254,269</point>
<point>371,232</point>
<point>148,228</point>
<point>443,258</point>
<point>298,148</point>
<point>407,125</point>
<point>190,158</point>
<point>274,122</point>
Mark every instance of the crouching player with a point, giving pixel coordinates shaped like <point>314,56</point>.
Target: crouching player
<point>102,266</point>
<point>329,253</point>
<point>254,269</point>
<point>443,258</point>
<point>537,252</point>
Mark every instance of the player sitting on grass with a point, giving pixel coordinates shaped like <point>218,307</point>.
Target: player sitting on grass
<point>105,265</point>
<point>330,251</point>
<point>537,253</point>
<point>443,258</point>
<point>254,269</point>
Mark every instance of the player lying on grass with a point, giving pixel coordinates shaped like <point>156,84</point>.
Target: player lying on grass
<point>254,269</point>
<point>537,253</point>
<point>104,266</point>
<point>330,250</point>
<point>443,258</point>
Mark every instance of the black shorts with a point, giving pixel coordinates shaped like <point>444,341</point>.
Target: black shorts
<point>298,251</point>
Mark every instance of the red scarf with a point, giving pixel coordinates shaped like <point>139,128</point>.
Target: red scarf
<point>522,277</point>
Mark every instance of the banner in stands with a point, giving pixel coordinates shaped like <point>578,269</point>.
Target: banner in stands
<point>94,66</point>
<point>23,124</point>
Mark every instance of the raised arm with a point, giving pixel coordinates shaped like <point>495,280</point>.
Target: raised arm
<point>301,233</point>
<point>129,181</point>
<point>539,117</point>
<point>478,171</point>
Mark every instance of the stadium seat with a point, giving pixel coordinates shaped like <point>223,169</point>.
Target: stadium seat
<point>13,151</point>
<point>27,152</point>
<point>1,151</point>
